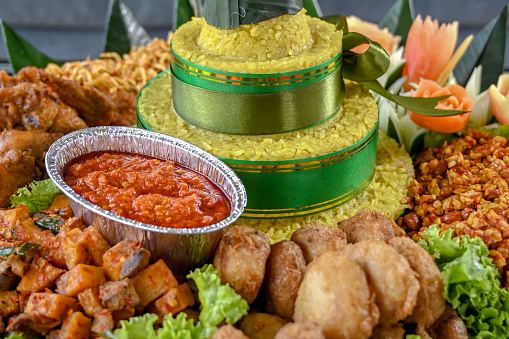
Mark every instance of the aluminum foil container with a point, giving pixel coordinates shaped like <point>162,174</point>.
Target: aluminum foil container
<point>180,248</point>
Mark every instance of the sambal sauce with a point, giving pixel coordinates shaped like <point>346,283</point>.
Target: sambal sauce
<point>147,189</point>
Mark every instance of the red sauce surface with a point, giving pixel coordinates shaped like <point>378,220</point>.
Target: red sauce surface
<point>147,189</point>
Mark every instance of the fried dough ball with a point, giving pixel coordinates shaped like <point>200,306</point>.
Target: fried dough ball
<point>301,330</point>
<point>430,301</point>
<point>228,332</point>
<point>450,325</point>
<point>283,275</point>
<point>335,295</point>
<point>389,331</point>
<point>314,239</point>
<point>393,280</point>
<point>240,260</point>
<point>369,225</point>
<point>261,325</point>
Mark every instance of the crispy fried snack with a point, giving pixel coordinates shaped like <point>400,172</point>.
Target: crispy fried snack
<point>240,260</point>
<point>261,325</point>
<point>283,276</point>
<point>228,332</point>
<point>301,330</point>
<point>369,225</point>
<point>391,277</point>
<point>430,302</point>
<point>314,239</point>
<point>449,325</point>
<point>335,295</point>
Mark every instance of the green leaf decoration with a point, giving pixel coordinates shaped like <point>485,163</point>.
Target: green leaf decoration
<point>313,8</point>
<point>229,14</point>
<point>20,52</point>
<point>183,11</point>
<point>49,223</point>
<point>122,29</point>
<point>7,251</point>
<point>486,49</point>
<point>435,139</point>
<point>25,248</point>
<point>337,20</point>
<point>399,18</point>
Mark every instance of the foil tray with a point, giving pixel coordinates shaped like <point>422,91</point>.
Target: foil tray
<point>181,248</point>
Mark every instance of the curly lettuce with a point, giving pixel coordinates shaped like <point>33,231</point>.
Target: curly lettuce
<point>37,197</point>
<point>471,282</point>
<point>218,303</point>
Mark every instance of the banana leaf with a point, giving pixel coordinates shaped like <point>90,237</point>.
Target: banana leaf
<point>20,52</point>
<point>399,18</point>
<point>183,11</point>
<point>486,49</point>
<point>122,29</point>
<point>337,20</point>
<point>313,8</point>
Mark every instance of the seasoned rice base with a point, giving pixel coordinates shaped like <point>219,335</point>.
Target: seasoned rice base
<point>357,117</point>
<point>282,44</point>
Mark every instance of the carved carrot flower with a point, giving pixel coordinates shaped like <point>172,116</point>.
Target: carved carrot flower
<point>499,99</point>
<point>458,100</point>
<point>429,51</point>
<point>383,36</point>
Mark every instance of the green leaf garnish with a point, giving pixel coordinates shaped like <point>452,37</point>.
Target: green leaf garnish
<point>183,11</point>
<point>39,197</point>
<point>49,223</point>
<point>313,8</point>
<point>434,139</point>
<point>486,49</point>
<point>228,14</point>
<point>122,29</point>
<point>337,20</point>
<point>21,53</point>
<point>21,250</point>
<point>399,19</point>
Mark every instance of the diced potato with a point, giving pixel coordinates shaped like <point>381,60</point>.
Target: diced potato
<point>97,245</point>
<point>75,326</point>
<point>50,305</point>
<point>89,300</point>
<point>102,321</point>
<point>117,295</point>
<point>153,282</point>
<point>174,301</point>
<point>40,275</point>
<point>9,303</point>
<point>60,201</point>
<point>79,279</point>
<point>124,314</point>
<point>74,248</point>
<point>125,260</point>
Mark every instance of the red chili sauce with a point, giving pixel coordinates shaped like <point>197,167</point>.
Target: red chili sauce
<point>147,189</point>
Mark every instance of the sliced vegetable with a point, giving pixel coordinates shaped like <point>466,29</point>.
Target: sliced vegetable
<point>37,197</point>
<point>471,282</point>
<point>21,53</point>
<point>49,224</point>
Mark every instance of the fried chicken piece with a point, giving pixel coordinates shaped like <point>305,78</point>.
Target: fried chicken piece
<point>22,159</point>
<point>391,277</point>
<point>124,112</point>
<point>300,330</point>
<point>228,332</point>
<point>369,225</point>
<point>314,239</point>
<point>389,331</point>
<point>240,260</point>
<point>450,325</point>
<point>27,106</point>
<point>261,325</point>
<point>17,171</point>
<point>335,295</point>
<point>430,301</point>
<point>283,275</point>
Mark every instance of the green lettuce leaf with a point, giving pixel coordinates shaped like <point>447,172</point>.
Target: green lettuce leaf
<point>471,282</point>
<point>218,302</point>
<point>502,130</point>
<point>179,328</point>
<point>15,336</point>
<point>137,328</point>
<point>38,197</point>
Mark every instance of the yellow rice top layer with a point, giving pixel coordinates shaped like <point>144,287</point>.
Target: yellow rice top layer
<point>282,44</point>
<point>358,115</point>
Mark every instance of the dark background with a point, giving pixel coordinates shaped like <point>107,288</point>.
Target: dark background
<point>74,29</point>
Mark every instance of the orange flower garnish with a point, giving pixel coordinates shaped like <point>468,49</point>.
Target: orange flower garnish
<point>499,99</point>
<point>429,51</point>
<point>383,36</point>
<point>458,100</point>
